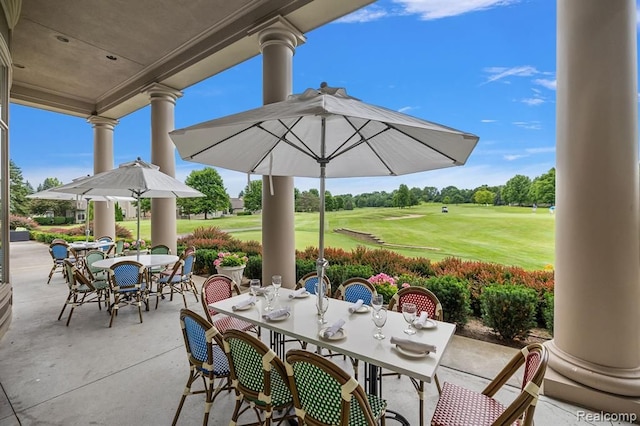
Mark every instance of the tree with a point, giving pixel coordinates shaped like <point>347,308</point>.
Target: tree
<point>402,197</point>
<point>253,196</point>
<point>18,189</point>
<point>329,202</point>
<point>431,193</point>
<point>484,196</point>
<point>308,201</point>
<point>516,190</point>
<point>543,188</point>
<point>145,205</point>
<point>209,182</point>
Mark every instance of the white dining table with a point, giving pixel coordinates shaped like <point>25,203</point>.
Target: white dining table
<point>358,341</point>
<point>147,260</point>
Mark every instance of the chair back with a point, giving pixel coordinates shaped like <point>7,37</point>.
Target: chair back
<point>535,358</point>
<point>310,282</point>
<point>203,343</point>
<point>59,251</point>
<point>424,300</point>
<point>107,248</point>
<point>258,375</point>
<point>90,258</point>
<point>187,267</point>
<point>188,250</point>
<point>354,289</point>
<point>215,288</point>
<point>119,250</point>
<point>126,276</point>
<point>160,249</point>
<point>324,394</point>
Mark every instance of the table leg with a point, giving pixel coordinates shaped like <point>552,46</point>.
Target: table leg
<point>373,386</point>
<point>277,342</point>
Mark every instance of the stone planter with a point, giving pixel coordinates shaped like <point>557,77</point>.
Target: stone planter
<point>18,235</point>
<point>235,272</point>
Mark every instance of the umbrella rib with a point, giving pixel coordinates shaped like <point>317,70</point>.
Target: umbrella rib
<point>422,143</point>
<point>221,141</point>
<point>283,138</point>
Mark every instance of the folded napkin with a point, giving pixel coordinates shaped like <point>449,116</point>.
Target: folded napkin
<point>299,292</point>
<point>333,329</point>
<point>356,306</point>
<point>277,313</point>
<point>244,303</point>
<point>421,321</point>
<point>412,346</point>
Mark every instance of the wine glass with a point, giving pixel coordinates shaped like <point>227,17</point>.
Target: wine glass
<point>409,314</point>
<point>276,281</point>
<point>254,285</point>
<point>269,295</point>
<point>376,301</point>
<point>379,318</point>
<point>322,304</point>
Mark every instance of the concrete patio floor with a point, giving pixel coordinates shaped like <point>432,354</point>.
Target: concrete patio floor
<point>134,374</point>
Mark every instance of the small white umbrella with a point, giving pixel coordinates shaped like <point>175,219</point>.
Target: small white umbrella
<point>324,133</point>
<point>136,179</point>
<point>52,194</point>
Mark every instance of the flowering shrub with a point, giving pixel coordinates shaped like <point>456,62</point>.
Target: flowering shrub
<point>134,245</point>
<point>230,259</point>
<point>385,285</point>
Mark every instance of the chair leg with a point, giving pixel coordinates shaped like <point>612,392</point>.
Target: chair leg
<point>114,308</point>
<point>187,391</point>
<point>66,302</point>
<point>139,303</point>
<point>51,273</point>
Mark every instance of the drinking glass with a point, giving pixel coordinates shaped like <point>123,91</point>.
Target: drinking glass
<point>254,285</point>
<point>322,304</point>
<point>276,281</point>
<point>269,295</point>
<point>409,314</point>
<point>376,301</point>
<point>379,318</point>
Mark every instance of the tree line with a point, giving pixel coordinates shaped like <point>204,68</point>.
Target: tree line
<point>519,190</point>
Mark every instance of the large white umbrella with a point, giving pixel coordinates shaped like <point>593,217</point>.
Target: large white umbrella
<point>136,179</point>
<point>52,194</point>
<point>324,133</point>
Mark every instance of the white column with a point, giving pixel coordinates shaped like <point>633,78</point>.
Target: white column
<point>595,353</point>
<point>104,219</point>
<point>277,44</point>
<point>163,210</point>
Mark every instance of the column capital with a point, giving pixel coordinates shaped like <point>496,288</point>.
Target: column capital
<point>278,31</point>
<point>157,91</point>
<point>104,122</point>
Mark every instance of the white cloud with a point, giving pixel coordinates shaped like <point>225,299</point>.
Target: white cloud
<point>436,9</point>
<point>498,73</point>
<point>530,125</point>
<point>486,120</point>
<point>549,84</point>
<point>407,108</point>
<point>541,150</point>
<point>368,14</point>
<point>532,101</point>
<point>511,157</point>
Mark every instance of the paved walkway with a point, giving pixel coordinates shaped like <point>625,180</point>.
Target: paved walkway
<point>134,374</point>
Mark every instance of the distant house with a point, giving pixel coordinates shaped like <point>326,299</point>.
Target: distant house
<point>237,205</point>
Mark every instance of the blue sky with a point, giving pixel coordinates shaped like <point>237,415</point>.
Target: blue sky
<point>482,66</point>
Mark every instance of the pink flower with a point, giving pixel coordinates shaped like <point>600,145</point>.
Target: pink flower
<point>405,285</point>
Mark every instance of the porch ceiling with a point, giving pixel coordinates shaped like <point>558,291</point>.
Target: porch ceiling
<point>63,52</point>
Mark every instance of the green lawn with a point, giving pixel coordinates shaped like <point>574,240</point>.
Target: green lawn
<point>506,235</point>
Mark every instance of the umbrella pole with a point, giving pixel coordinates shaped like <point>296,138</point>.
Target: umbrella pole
<point>321,263</point>
<point>138,229</point>
<point>86,222</point>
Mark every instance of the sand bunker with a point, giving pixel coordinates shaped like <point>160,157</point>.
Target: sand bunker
<point>409,216</point>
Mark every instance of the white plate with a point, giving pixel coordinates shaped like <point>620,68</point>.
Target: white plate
<point>427,325</point>
<point>281,318</point>
<point>410,354</point>
<point>302,296</point>
<point>244,308</point>
<point>363,309</point>
<point>339,335</point>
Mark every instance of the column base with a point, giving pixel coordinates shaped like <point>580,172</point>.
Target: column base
<point>561,388</point>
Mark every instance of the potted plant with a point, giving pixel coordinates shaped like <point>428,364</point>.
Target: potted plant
<point>231,265</point>
<point>385,285</point>
<point>132,247</point>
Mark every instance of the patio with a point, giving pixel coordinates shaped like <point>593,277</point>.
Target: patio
<point>134,373</point>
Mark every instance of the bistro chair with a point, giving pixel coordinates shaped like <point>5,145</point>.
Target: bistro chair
<point>425,301</point>
<point>90,258</point>
<point>310,282</point>
<point>59,251</point>
<point>458,405</point>
<point>219,287</point>
<point>326,395</point>
<point>259,379</point>
<point>154,271</point>
<point>82,290</point>
<point>128,286</point>
<point>207,360</point>
<point>107,248</point>
<point>179,280</point>
<point>119,248</point>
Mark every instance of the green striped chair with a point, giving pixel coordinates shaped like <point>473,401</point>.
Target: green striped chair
<point>325,395</point>
<point>259,378</point>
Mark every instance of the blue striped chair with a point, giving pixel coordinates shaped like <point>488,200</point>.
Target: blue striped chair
<point>207,360</point>
<point>59,251</point>
<point>128,286</point>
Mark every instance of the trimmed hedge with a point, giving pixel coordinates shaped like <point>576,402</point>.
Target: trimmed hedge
<point>454,295</point>
<point>510,310</point>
